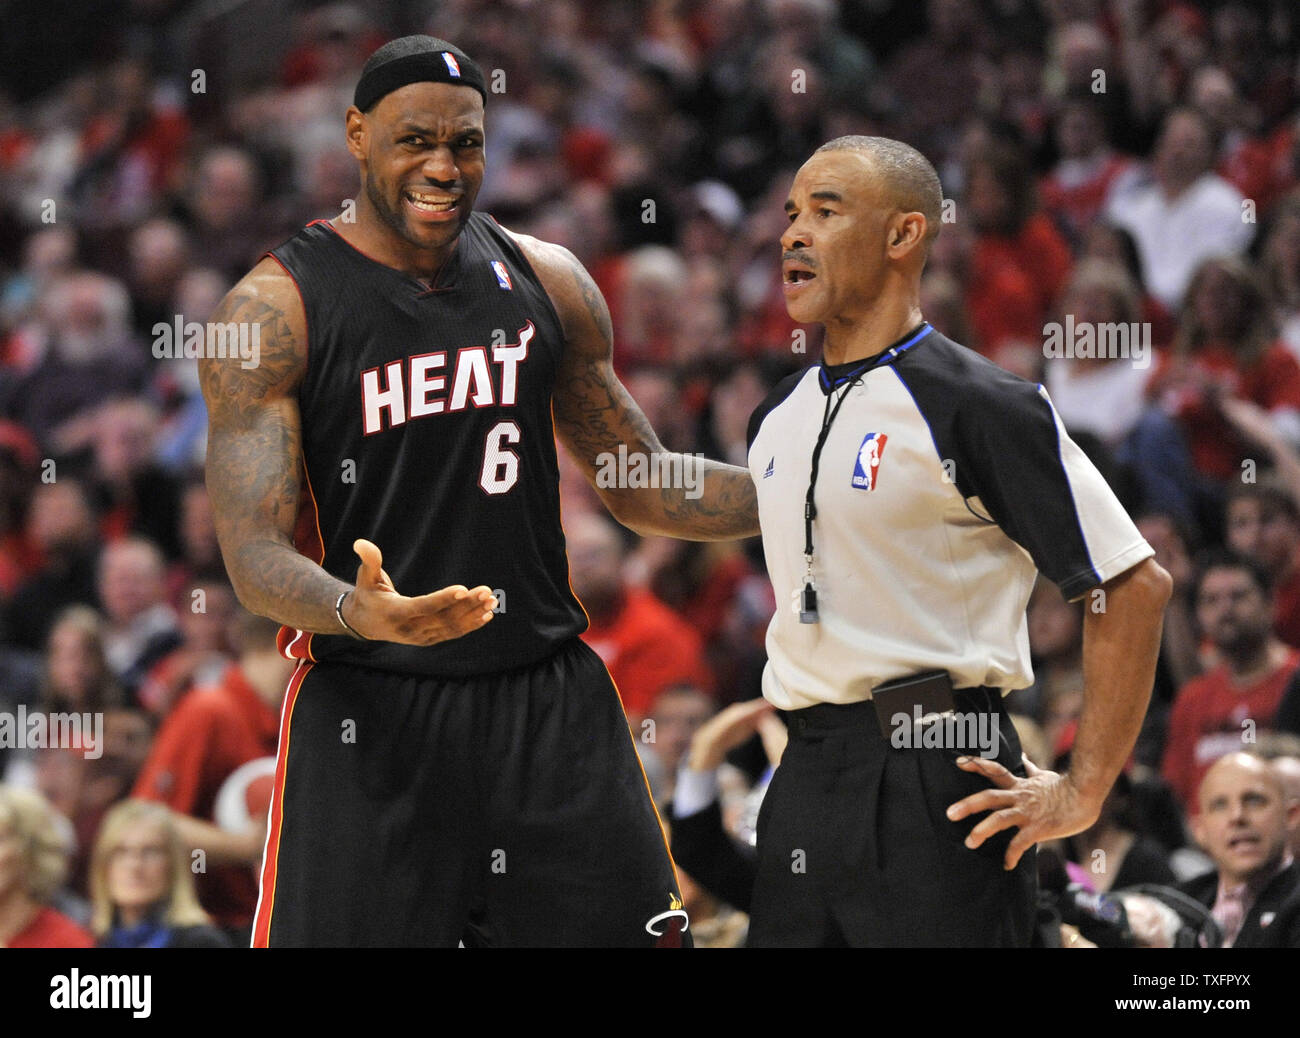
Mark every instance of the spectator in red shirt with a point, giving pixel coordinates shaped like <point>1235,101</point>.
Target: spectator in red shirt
<point>660,397</point>
<point>206,611</point>
<point>1264,523</point>
<point>1220,711</point>
<point>210,733</point>
<point>646,646</point>
<point>33,862</point>
<point>131,151</point>
<point>1076,189</point>
<point>1020,263</point>
<point>1226,347</point>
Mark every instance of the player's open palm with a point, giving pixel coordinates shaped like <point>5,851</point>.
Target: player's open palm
<point>376,610</point>
<point>1044,805</point>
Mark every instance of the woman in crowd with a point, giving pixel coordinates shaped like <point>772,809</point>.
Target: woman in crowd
<point>141,884</point>
<point>34,848</point>
<point>1226,350</point>
<point>1226,347</point>
<point>77,677</point>
<point>1102,395</point>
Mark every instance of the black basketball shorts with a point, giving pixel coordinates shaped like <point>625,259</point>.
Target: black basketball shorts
<point>501,810</point>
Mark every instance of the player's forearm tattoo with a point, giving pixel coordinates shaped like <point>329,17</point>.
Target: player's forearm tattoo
<point>598,414</point>
<point>727,506</point>
<point>254,470</point>
<point>597,410</point>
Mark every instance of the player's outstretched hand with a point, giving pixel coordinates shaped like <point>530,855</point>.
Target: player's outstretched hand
<point>376,610</point>
<point>1044,805</point>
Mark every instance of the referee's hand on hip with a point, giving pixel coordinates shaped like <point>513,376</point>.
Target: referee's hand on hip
<point>1045,805</point>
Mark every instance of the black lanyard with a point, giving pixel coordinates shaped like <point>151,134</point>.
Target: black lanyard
<point>808,601</point>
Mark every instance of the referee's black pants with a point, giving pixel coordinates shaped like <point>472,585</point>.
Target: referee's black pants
<point>855,847</point>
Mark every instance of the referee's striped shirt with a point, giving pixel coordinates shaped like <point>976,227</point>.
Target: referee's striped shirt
<point>945,484</point>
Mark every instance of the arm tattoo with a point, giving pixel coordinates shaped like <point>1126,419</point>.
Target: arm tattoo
<point>596,414</point>
<point>727,508</point>
<point>597,411</point>
<point>254,468</point>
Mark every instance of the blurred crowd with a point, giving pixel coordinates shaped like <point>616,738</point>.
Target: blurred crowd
<point>1132,165</point>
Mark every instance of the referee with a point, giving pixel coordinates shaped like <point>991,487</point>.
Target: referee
<point>908,491</point>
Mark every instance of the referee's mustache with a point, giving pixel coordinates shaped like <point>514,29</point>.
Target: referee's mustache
<point>797,256</point>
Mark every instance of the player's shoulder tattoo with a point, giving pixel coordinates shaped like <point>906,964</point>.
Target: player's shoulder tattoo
<point>266,303</point>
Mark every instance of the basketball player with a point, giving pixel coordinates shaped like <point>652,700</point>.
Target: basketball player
<point>453,763</point>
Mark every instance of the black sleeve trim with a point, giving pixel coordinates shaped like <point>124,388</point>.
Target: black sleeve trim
<point>1001,435</point>
<point>770,403</point>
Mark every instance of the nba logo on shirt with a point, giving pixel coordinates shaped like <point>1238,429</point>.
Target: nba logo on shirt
<point>503,275</point>
<point>868,464</point>
<point>453,66</point>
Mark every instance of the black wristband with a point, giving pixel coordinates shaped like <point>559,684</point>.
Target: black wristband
<point>338,611</point>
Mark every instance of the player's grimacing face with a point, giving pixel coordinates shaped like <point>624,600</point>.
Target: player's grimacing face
<point>422,160</point>
<point>833,251</point>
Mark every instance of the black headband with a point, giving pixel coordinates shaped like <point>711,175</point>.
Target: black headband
<point>448,65</point>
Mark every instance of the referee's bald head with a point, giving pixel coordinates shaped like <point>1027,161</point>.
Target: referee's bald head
<point>906,174</point>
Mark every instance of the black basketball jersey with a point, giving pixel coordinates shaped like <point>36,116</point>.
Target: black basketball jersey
<point>427,429</point>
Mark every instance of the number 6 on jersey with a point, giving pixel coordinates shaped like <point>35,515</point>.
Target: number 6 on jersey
<point>500,464</point>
